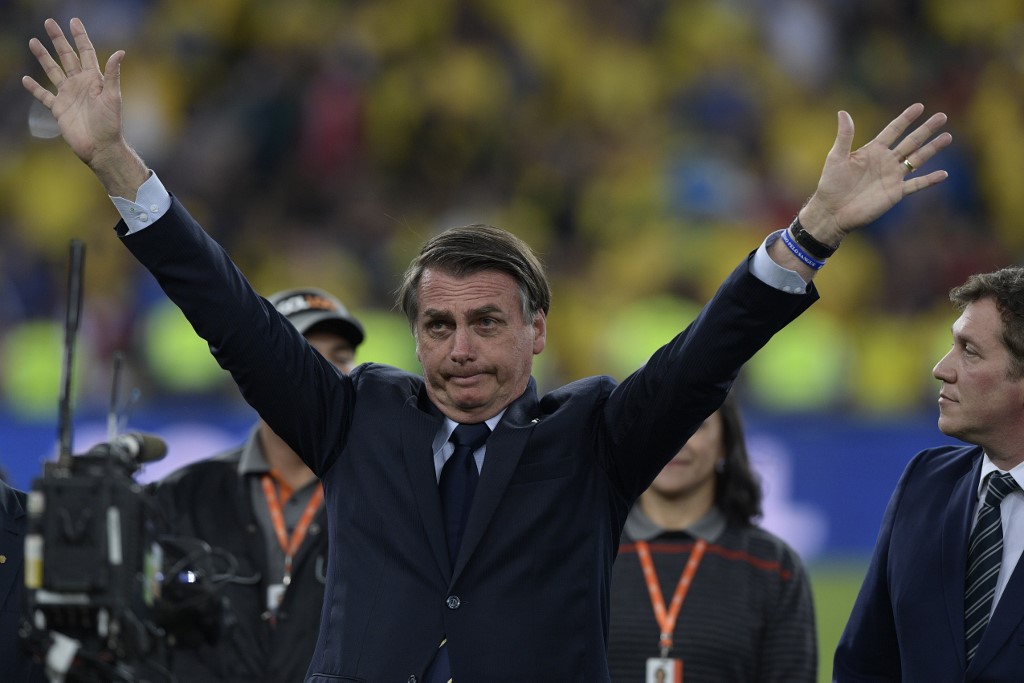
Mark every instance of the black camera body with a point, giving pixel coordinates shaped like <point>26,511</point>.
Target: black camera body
<point>108,597</point>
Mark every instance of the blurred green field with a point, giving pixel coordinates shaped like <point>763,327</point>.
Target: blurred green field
<point>835,586</point>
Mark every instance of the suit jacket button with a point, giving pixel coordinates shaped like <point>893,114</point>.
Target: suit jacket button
<point>453,602</point>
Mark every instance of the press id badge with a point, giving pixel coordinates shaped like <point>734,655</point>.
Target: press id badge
<point>275,595</point>
<point>664,670</point>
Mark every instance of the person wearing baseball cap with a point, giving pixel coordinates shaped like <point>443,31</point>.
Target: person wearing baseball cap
<point>307,308</point>
<point>260,503</point>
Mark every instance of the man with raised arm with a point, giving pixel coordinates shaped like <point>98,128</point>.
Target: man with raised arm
<point>486,557</point>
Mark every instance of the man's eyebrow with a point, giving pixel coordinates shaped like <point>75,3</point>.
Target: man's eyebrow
<point>484,310</point>
<point>435,313</point>
<point>965,338</point>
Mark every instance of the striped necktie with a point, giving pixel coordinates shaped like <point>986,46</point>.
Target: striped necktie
<point>984,555</point>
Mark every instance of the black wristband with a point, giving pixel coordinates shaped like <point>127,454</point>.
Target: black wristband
<point>807,241</point>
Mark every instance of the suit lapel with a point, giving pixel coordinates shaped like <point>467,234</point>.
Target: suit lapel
<point>11,539</point>
<point>419,427</point>
<point>956,528</point>
<point>504,449</point>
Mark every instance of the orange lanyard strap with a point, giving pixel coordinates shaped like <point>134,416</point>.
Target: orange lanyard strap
<point>289,545</point>
<point>667,618</point>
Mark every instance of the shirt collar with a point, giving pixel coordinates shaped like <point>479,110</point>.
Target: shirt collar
<point>988,467</point>
<point>639,526</point>
<point>449,426</point>
<point>252,459</point>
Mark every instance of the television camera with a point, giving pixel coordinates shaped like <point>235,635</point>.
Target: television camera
<point>108,594</point>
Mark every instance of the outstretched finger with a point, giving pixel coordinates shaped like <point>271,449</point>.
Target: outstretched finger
<point>844,136</point>
<point>86,52</point>
<point>68,57</point>
<point>112,73</point>
<point>44,96</point>
<point>912,185</point>
<point>51,68</point>
<point>891,133</point>
<point>919,136</point>
<point>918,157</point>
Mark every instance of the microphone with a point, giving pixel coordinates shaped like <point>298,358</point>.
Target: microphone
<point>133,448</point>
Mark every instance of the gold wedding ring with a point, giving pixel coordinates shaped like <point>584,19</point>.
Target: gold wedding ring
<point>910,166</point>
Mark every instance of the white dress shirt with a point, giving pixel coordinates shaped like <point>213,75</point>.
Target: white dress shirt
<point>443,448</point>
<point>1011,512</point>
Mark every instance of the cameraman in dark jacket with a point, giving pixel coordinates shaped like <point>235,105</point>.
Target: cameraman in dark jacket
<point>259,509</point>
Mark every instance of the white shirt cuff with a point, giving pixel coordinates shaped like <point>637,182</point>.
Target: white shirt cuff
<point>765,269</point>
<point>151,202</point>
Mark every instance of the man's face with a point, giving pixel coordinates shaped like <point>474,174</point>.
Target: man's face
<point>334,348</point>
<point>979,402</point>
<point>475,348</point>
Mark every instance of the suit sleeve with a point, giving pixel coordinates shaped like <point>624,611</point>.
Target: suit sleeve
<point>651,414</point>
<point>868,649</point>
<point>301,396</point>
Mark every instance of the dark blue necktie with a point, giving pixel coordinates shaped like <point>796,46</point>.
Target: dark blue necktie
<point>458,482</point>
<point>984,556</point>
<point>457,485</point>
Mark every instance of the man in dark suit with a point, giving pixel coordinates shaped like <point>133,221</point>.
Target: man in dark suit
<point>943,599</point>
<point>16,664</point>
<point>496,569</point>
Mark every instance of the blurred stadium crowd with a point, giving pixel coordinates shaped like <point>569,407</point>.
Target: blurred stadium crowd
<point>641,147</point>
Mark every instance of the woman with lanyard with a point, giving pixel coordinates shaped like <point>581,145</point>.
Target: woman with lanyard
<point>699,593</point>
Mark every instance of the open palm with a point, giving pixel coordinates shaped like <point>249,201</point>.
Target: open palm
<point>859,186</point>
<point>87,105</point>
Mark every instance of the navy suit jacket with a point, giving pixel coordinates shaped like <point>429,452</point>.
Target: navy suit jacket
<point>527,596</point>
<point>908,621</point>
<point>15,663</point>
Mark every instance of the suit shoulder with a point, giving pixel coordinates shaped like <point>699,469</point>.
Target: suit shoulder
<point>386,381</point>
<point>589,388</point>
<point>935,469</point>
<point>378,372</point>
<point>12,500</point>
<point>944,459</point>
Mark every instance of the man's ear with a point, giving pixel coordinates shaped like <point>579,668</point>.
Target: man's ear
<point>540,331</point>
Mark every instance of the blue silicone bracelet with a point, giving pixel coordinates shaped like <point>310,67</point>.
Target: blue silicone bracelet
<point>811,262</point>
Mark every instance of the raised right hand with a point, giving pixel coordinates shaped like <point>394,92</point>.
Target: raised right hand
<point>87,105</point>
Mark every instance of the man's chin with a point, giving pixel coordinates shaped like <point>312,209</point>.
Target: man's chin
<point>950,428</point>
<point>465,399</point>
<point>944,425</point>
<point>467,403</point>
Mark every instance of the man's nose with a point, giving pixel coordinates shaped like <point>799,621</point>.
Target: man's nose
<point>462,345</point>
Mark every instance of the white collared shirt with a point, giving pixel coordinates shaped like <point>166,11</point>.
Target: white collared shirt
<point>443,448</point>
